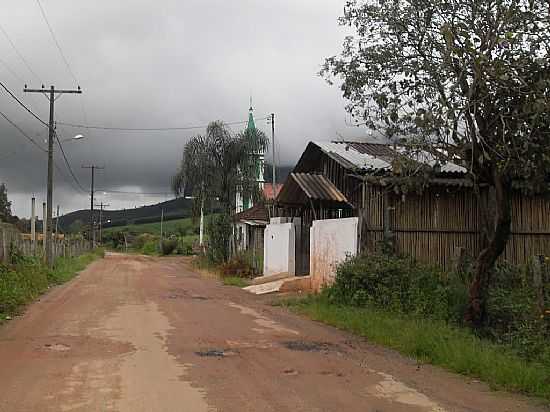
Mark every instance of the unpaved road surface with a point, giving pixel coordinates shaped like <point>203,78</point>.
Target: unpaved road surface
<point>137,334</point>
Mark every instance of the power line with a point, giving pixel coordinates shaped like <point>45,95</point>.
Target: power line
<point>23,133</point>
<point>149,129</point>
<point>25,62</point>
<point>68,164</point>
<point>23,104</point>
<point>56,42</point>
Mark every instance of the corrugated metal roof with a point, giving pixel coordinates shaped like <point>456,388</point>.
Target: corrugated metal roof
<point>358,159</point>
<point>318,187</point>
<point>376,157</point>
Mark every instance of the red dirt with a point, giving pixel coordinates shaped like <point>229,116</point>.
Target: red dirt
<point>135,334</point>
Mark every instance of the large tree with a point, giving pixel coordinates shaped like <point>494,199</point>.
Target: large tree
<point>468,80</point>
<point>5,204</point>
<point>216,165</point>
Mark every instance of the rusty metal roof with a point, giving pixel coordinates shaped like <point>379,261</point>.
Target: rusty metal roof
<point>378,157</point>
<point>302,186</point>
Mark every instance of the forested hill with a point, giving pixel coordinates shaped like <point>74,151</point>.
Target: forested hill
<point>173,209</point>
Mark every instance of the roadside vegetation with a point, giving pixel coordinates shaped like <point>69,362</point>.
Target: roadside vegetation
<point>180,237</point>
<point>418,310</point>
<point>27,278</point>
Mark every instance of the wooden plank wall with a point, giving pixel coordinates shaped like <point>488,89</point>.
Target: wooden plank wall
<point>432,227</point>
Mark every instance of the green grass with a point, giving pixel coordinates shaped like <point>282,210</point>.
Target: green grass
<point>235,281</point>
<point>434,342</point>
<point>24,282</point>
<point>170,227</point>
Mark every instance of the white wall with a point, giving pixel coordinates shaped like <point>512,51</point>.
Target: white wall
<point>330,241</point>
<point>280,248</point>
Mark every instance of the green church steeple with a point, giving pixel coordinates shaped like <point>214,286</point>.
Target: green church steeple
<point>251,124</point>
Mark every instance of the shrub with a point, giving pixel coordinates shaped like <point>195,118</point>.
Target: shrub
<point>238,266</point>
<point>140,241</point>
<point>168,246</point>
<point>219,234</point>
<point>396,284</point>
<point>185,245</point>
<point>150,248</point>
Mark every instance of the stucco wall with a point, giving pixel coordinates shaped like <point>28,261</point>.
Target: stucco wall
<point>280,240</point>
<point>331,241</point>
<point>279,249</point>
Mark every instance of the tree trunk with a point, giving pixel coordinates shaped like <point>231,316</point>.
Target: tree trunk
<point>476,314</point>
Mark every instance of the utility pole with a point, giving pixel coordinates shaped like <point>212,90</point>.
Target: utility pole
<point>56,231</point>
<point>44,228</point>
<point>48,220</point>
<point>274,179</point>
<point>161,223</point>
<point>33,225</point>
<point>92,232</point>
<point>101,206</point>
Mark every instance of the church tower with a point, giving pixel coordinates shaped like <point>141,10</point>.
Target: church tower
<point>259,157</point>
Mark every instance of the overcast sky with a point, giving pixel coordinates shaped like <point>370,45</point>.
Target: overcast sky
<point>165,63</point>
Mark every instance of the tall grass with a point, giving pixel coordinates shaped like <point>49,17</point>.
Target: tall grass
<point>29,278</point>
<point>435,342</point>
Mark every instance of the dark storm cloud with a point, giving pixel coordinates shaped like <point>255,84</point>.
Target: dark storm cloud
<point>165,63</point>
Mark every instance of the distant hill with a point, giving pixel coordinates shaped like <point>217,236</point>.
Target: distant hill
<point>173,209</point>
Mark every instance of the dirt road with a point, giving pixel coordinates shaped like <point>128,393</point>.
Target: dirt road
<point>137,334</point>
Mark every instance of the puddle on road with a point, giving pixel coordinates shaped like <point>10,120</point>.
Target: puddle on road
<point>266,324</point>
<point>391,389</point>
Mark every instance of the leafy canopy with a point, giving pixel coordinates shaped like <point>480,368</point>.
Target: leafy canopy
<point>468,80</point>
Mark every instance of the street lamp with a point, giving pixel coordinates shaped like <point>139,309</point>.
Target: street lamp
<point>77,137</point>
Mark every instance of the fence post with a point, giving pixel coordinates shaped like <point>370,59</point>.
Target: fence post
<point>538,267</point>
<point>3,248</point>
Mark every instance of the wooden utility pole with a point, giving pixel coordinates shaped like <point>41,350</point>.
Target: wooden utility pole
<point>33,225</point>
<point>52,92</point>
<point>101,206</point>
<point>44,228</point>
<point>273,177</point>
<point>92,232</point>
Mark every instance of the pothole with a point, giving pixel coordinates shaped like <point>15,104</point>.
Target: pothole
<point>290,372</point>
<point>57,347</point>
<point>303,346</point>
<point>216,353</point>
<point>199,298</point>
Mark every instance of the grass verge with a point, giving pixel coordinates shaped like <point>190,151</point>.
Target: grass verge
<point>25,281</point>
<point>434,342</point>
<point>235,281</point>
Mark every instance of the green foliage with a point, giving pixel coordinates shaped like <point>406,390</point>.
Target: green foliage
<point>238,266</point>
<point>185,245</point>
<point>27,278</point>
<point>435,342</point>
<point>235,281</point>
<point>396,284</point>
<point>402,286</point>
<point>140,241</point>
<point>513,317</point>
<point>179,227</point>
<point>168,246</point>
<point>150,248</point>
<point>215,165</point>
<point>5,204</point>
<point>219,230</point>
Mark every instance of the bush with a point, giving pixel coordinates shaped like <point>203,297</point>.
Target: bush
<point>185,245</point>
<point>150,248</point>
<point>219,230</point>
<point>238,266</point>
<point>140,241</point>
<point>168,246</point>
<point>397,284</point>
<point>403,286</point>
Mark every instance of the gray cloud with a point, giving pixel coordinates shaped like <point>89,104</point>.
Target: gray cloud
<point>167,63</point>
